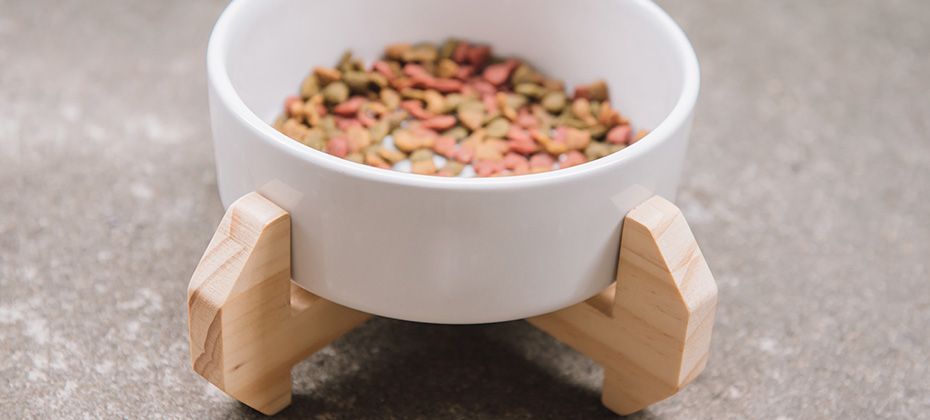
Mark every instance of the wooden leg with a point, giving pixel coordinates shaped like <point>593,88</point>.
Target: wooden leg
<point>249,325</point>
<point>650,331</point>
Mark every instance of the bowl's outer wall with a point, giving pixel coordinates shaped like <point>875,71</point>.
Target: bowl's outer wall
<point>407,247</point>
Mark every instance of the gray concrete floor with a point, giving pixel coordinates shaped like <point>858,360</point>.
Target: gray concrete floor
<point>806,185</point>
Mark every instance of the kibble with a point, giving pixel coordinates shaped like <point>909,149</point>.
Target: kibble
<point>456,103</point>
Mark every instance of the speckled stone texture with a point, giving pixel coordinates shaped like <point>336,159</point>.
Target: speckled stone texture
<point>806,185</point>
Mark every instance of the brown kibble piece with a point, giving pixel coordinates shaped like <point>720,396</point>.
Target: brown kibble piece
<point>488,152</point>
<point>310,86</point>
<point>471,118</point>
<point>639,135</point>
<point>423,167</point>
<point>435,102</point>
<point>392,156</point>
<point>397,50</point>
<point>374,159</point>
<point>405,141</point>
<point>598,90</point>
<point>390,98</point>
<point>581,107</point>
<point>421,53</point>
<point>577,139</point>
<point>447,69</point>
<point>327,75</point>
<point>294,129</point>
<point>359,138</point>
<point>355,157</point>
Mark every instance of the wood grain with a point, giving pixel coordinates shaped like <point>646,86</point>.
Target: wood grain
<point>650,330</point>
<point>249,325</point>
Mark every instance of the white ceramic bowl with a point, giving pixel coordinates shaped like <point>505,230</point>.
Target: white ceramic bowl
<point>436,249</point>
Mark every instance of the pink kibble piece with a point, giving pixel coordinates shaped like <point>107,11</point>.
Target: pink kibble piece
<point>619,134</point>
<point>572,158</point>
<point>444,145</point>
<point>541,160</point>
<point>338,146</point>
<point>349,107</point>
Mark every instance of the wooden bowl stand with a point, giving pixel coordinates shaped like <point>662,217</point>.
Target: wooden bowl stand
<point>250,324</point>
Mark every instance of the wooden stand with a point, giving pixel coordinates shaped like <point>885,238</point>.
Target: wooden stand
<point>249,324</point>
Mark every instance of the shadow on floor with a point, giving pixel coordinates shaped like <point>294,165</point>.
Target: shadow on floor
<point>388,369</point>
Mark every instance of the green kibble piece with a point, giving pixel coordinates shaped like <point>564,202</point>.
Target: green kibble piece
<point>379,130</point>
<point>452,102</point>
<point>336,92</point>
<point>454,167</point>
<point>328,125</point>
<point>524,74</point>
<point>570,122</point>
<point>421,154</point>
<point>530,89</point>
<point>516,101</point>
<point>554,101</point>
<point>469,105</point>
<point>310,87</point>
<point>598,90</point>
<point>315,138</point>
<point>597,131</point>
<point>596,150</point>
<point>458,132</point>
<point>497,128</point>
<point>613,148</point>
<point>356,80</point>
<point>448,48</point>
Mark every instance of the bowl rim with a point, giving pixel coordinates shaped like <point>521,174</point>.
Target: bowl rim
<point>218,78</point>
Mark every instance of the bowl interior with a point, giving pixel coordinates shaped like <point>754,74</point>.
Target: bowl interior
<point>629,43</point>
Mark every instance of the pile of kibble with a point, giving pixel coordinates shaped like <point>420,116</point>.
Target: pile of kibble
<point>453,110</point>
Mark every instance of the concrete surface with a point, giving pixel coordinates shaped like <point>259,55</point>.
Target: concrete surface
<point>806,185</point>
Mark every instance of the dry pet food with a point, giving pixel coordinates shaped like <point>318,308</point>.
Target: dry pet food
<point>453,110</point>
